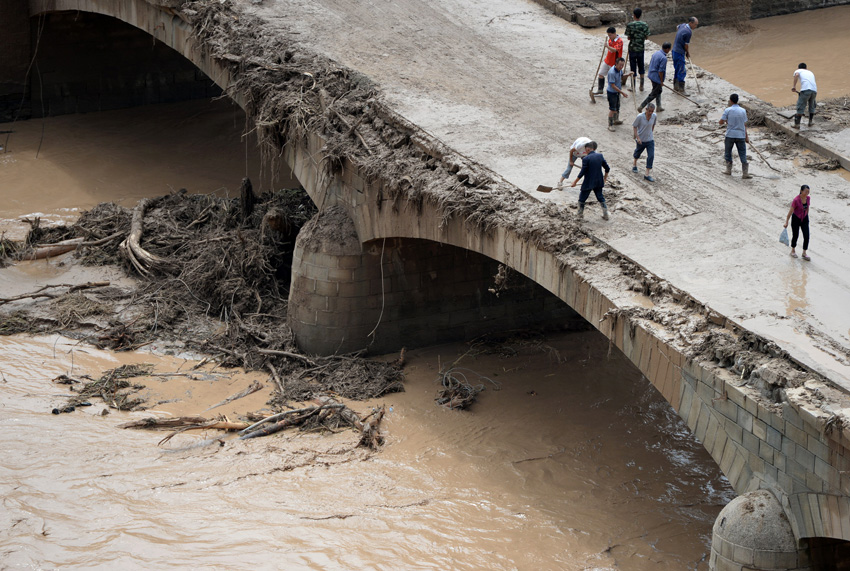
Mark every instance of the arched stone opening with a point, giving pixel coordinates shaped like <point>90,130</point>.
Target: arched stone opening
<point>393,292</point>
<point>86,62</point>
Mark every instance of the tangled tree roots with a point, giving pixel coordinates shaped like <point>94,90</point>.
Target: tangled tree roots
<point>213,279</point>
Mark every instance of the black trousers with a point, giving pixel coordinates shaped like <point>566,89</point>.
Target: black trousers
<point>657,88</point>
<point>636,62</point>
<point>796,226</point>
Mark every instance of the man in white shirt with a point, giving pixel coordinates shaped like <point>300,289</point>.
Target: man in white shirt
<point>807,94</point>
<point>577,151</point>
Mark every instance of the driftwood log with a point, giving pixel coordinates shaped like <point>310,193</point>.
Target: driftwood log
<point>58,248</point>
<point>42,291</point>
<point>184,422</point>
<point>139,258</point>
<point>368,427</point>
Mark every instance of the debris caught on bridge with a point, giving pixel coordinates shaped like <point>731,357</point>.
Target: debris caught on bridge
<point>209,276</point>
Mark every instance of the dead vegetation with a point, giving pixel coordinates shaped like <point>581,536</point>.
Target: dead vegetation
<point>214,281</point>
<point>323,414</point>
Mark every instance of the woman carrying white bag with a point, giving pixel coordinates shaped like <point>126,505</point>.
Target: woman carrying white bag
<point>799,216</point>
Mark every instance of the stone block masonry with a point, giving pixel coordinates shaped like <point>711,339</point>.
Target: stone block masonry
<point>664,15</point>
<point>398,292</point>
<point>88,62</point>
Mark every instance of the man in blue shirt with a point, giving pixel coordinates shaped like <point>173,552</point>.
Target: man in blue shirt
<point>735,119</point>
<point>644,133</point>
<point>657,72</point>
<point>591,171</point>
<point>615,82</point>
<point>681,51</point>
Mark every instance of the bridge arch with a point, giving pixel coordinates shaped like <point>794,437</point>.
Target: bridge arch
<point>161,22</point>
<point>785,447</point>
<point>757,446</point>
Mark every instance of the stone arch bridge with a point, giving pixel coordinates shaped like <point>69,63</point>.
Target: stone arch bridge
<point>375,256</point>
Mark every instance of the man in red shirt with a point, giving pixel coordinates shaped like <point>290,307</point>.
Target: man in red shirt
<point>615,51</point>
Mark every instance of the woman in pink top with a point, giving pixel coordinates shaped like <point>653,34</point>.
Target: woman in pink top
<point>799,215</point>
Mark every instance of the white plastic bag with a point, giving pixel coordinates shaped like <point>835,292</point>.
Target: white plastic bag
<point>783,237</point>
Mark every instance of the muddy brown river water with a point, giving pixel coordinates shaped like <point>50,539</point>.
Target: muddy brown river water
<point>763,59</point>
<point>575,462</point>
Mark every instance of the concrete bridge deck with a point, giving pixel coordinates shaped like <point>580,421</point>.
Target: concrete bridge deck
<point>505,83</point>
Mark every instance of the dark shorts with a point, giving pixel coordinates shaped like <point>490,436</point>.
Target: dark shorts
<point>613,100</point>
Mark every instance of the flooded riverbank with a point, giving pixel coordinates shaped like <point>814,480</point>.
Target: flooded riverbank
<point>574,463</point>
<point>57,167</point>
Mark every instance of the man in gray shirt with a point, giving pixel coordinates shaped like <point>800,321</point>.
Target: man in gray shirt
<point>644,128</point>
<point>735,119</point>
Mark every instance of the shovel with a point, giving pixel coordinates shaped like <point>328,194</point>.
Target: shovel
<point>758,152</point>
<point>699,91</point>
<point>541,188</point>
<point>595,75</point>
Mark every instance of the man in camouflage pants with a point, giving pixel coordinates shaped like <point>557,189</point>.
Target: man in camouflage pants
<point>637,31</point>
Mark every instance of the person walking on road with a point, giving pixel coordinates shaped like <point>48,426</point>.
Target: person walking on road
<point>592,166</point>
<point>807,94</point>
<point>615,51</point>
<point>799,215</point>
<point>637,31</point>
<point>644,129</point>
<point>615,84</point>
<point>681,52</point>
<point>657,72</point>
<point>577,151</point>
<point>735,119</point>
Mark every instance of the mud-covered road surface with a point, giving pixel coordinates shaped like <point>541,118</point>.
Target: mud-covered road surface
<point>506,83</point>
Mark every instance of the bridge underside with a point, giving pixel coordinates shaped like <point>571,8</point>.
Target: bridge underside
<point>721,380</point>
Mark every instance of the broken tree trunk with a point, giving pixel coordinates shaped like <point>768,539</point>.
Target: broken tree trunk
<point>184,422</point>
<point>141,259</point>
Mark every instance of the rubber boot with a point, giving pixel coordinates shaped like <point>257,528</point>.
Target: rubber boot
<point>617,118</point>
<point>600,85</point>
<point>676,86</point>
<point>797,121</point>
<point>641,83</point>
<point>658,106</point>
<point>604,212</point>
<point>746,168</point>
<point>610,123</point>
<point>728,168</point>
<point>811,118</point>
<point>580,214</point>
<point>682,88</point>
